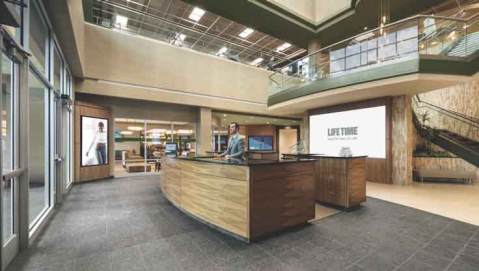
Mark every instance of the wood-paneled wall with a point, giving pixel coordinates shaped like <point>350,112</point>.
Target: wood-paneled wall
<point>83,174</point>
<point>443,163</point>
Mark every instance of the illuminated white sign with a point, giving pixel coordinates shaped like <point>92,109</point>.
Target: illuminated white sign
<point>355,132</point>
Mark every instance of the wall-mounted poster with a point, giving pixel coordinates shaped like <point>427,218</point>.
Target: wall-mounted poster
<point>349,133</point>
<point>94,141</point>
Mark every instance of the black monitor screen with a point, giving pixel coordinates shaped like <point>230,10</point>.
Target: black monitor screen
<point>260,143</point>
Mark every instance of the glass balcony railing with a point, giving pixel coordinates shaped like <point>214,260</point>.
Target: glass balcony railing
<point>397,42</point>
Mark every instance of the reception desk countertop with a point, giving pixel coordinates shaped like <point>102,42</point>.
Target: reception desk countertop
<point>243,162</point>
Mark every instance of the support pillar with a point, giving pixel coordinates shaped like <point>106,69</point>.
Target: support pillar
<point>204,131</point>
<point>402,140</point>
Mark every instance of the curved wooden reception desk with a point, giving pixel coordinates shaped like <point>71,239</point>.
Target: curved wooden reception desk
<point>247,199</point>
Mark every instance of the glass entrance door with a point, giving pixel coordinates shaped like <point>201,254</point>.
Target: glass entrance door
<point>9,158</point>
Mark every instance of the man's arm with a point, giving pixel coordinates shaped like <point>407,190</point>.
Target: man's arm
<point>240,152</point>
<point>228,149</point>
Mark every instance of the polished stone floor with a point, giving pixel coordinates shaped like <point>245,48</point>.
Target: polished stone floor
<point>126,224</point>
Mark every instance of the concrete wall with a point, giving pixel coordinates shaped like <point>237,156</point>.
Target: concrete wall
<point>145,110</point>
<point>123,65</point>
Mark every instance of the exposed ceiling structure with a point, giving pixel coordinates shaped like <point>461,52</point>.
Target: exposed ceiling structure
<point>285,25</point>
<point>185,25</point>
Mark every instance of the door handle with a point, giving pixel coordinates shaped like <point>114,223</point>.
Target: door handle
<point>58,158</point>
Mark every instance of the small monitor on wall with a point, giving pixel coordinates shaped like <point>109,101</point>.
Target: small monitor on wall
<point>260,143</point>
<point>171,149</point>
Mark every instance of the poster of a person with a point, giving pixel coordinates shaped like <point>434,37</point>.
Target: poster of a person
<point>94,141</point>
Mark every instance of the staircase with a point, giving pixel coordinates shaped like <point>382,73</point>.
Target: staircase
<point>470,41</point>
<point>454,142</point>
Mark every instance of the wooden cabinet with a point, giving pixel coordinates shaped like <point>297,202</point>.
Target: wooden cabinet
<point>341,181</point>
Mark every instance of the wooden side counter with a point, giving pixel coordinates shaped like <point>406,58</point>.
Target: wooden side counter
<point>246,199</point>
<point>341,181</point>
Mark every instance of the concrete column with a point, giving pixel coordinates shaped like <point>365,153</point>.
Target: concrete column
<point>402,140</point>
<point>318,63</point>
<point>203,131</point>
<point>314,45</point>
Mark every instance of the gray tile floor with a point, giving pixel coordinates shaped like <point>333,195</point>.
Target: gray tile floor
<point>126,224</point>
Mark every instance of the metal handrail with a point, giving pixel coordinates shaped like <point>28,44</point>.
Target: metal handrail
<point>389,26</point>
<point>471,121</point>
<point>439,26</point>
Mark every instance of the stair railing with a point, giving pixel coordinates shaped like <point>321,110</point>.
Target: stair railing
<point>460,122</point>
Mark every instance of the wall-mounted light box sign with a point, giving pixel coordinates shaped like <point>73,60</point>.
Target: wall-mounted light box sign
<point>360,131</point>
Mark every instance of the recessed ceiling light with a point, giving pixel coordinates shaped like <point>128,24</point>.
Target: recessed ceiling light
<point>283,47</point>
<point>121,21</point>
<point>257,61</point>
<point>180,36</point>
<point>222,50</point>
<point>196,14</point>
<point>246,33</point>
<point>126,132</point>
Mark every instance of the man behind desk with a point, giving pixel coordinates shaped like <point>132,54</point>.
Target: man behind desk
<point>236,143</point>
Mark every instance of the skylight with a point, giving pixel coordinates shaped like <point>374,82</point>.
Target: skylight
<point>283,47</point>
<point>257,61</point>
<point>196,14</point>
<point>222,50</point>
<point>246,33</point>
<point>121,21</point>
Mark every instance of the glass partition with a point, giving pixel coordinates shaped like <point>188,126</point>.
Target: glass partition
<point>8,146</point>
<point>38,39</point>
<point>57,67</point>
<point>140,144</point>
<point>39,185</point>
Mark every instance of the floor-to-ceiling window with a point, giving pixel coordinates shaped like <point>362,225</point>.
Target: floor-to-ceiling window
<point>41,87</point>
<point>39,185</point>
<point>30,83</point>
<point>9,87</point>
<point>69,128</point>
<point>38,39</point>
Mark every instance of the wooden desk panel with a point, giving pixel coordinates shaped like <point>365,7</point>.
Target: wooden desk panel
<point>225,171</point>
<point>279,204</point>
<point>341,182</point>
<point>254,201</point>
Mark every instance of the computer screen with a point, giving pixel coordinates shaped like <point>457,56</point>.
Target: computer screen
<point>170,149</point>
<point>260,143</point>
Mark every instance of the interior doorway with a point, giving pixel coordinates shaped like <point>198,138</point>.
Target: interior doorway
<point>288,139</point>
